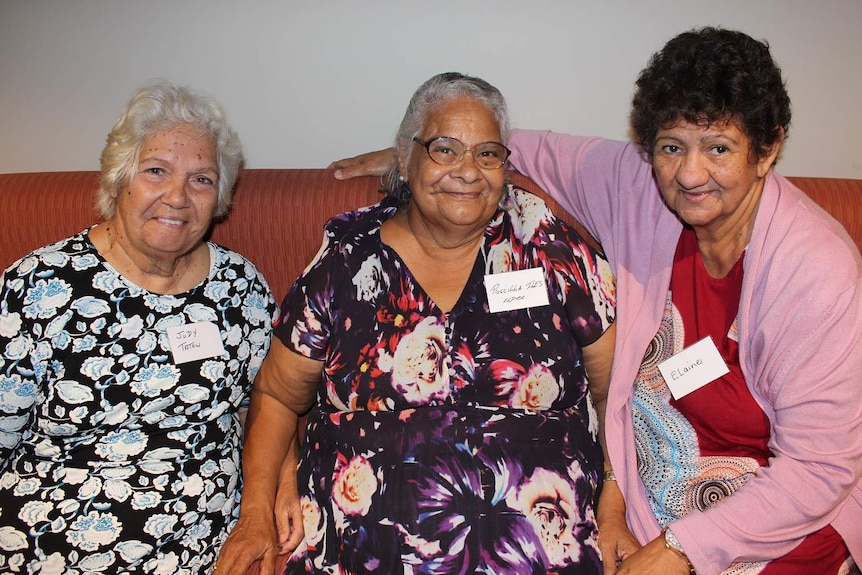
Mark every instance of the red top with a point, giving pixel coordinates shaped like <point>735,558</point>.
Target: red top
<point>726,417</point>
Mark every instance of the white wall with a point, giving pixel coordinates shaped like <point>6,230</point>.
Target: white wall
<point>306,82</point>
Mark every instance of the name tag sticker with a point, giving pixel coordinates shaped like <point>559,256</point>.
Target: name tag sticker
<point>194,341</point>
<point>693,367</point>
<point>516,290</point>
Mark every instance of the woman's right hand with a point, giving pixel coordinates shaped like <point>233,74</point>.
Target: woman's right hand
<point>270,520</point>
<point>376,163</point>
<point>252,539</point>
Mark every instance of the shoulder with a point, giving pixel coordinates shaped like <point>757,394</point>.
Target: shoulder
<point>794,232</point>
<point>226,257</point>
<point>347,224</point>
<point>802,271</point>
<point>534,221</point>
<point>345,231</point>
<point>62,258</point>
<point>46,282</point>
<point>231,264</point>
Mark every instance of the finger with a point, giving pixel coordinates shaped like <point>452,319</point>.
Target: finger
<point>346,172</point>
<point>351,164</point>
<point>296,534</point>
<point>236,563</point>
<point>236,566</point>
<point>375,163</point>
<point>610,560</point>
<point>284,526</point>
<point>253,569</point>
<point>628,548</point>
<point>272,563</point>
<point>342,163</point>
<point>290,528</point>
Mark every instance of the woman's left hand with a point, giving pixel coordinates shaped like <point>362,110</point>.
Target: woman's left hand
<point>653,559</point>
<point>616,542</point>
<point>288,508</point>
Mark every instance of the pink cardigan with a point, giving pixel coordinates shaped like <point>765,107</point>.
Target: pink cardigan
<point>800,329</point>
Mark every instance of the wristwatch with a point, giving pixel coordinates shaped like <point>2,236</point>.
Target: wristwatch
<point>672,543</point>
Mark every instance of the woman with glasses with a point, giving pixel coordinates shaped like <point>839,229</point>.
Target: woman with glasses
<point>445,341</point>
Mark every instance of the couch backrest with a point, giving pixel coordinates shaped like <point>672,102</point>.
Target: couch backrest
<point>278,215</point>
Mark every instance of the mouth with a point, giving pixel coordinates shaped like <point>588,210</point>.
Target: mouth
<point>173,222</point>
<point>696,196</point>
<point>463,195</point>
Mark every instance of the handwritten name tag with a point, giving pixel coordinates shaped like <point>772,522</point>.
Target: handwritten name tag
<point>516,290</point>
<point>693,367</point>
<point>194,341</point>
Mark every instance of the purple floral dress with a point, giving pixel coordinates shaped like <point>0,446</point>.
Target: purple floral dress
<point>459,442</point>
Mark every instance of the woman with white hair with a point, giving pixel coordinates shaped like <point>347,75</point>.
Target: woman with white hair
<point>128,351</point>
<point>447,341</point>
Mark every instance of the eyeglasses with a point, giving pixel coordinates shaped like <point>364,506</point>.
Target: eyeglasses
<point>449,151</point>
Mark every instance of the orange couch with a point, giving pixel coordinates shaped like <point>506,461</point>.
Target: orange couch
<point>278,215</point>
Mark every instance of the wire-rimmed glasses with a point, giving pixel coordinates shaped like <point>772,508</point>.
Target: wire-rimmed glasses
<point>450,151</point>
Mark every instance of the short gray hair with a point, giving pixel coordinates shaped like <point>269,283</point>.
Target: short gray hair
<point>438,90</point>
<point>157,107</point>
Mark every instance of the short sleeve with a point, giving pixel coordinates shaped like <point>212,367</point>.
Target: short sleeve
<point>304,325</point>
<point>581,276</point>
<point>18,385</point>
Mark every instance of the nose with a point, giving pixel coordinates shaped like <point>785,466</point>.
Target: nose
<point>176,193</point>
<point>691,172</point>
<point>466,168</point>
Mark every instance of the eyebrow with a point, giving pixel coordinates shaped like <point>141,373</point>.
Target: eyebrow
<point>156,158</point>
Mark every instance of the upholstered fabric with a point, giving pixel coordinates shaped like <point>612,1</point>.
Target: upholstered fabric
<point>278,214</point>
<point>276,220</point>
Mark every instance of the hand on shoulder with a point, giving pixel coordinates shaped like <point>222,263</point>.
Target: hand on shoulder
<point>376,163</point>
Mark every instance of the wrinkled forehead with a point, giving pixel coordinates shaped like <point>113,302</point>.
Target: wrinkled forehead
<point>463,118</point>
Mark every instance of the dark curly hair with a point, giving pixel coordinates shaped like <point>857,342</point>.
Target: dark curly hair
<point>709,75</point>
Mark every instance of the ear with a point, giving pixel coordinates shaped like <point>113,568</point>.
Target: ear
<point>402,160</point>
<point>768,160</point>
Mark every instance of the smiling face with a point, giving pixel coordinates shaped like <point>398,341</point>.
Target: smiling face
<point>169,203</point>
<point>706,175</point>
<point>459,198</point>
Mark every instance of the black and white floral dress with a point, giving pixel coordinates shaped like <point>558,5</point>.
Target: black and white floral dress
<point>116,454</point>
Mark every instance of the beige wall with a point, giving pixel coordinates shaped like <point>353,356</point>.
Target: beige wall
<point>306,82</point>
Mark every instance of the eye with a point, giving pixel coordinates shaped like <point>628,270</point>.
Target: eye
<point>205,181</point>
<point>155,170</point>
<point>720,149</point>
<point>441,149</point>
<point>670,149</point>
